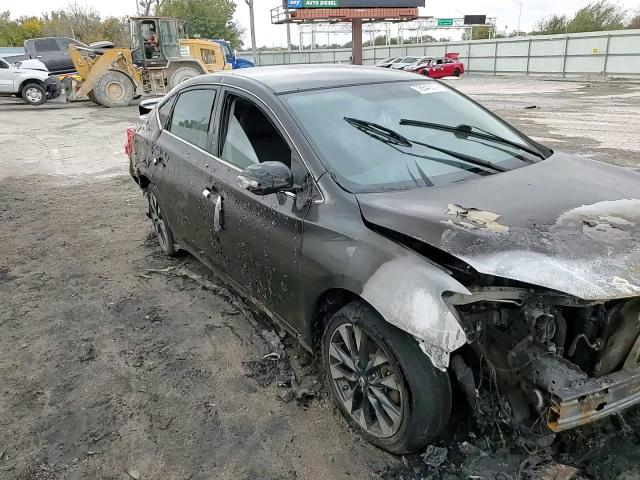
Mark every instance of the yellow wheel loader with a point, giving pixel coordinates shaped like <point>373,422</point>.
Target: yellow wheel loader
<point>156,62</point>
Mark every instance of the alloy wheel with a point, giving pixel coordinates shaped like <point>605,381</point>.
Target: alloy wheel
<point>159,225</point>
<point>367,381</point>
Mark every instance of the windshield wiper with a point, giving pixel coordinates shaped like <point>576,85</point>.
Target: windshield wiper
<point>386,135</point>
<point>379,132</point>
<point>468,130</point>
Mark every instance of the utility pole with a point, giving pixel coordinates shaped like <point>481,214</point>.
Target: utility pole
<point>519,3</point>
<point>253,30</point>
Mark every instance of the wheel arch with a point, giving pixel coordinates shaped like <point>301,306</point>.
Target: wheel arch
<point>27,81</point>
<point>174,65</point>
<point>327,304</point>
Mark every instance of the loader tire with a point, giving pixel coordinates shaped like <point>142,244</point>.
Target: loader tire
<point>181,75</point>
<point>114,89</point>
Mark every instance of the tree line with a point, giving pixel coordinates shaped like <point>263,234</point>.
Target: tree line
<point>595,17</point>
<point>198,18</point>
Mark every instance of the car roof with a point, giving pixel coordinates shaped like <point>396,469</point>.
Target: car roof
<point>291,78</point>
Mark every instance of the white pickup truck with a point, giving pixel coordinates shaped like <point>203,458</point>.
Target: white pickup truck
<point>28,79</point>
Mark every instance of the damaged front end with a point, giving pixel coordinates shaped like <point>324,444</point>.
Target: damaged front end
<point>554,361</point>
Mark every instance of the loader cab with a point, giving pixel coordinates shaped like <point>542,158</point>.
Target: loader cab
<point>154,41</point>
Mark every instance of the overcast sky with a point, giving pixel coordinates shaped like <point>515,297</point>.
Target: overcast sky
<point>506,12</point>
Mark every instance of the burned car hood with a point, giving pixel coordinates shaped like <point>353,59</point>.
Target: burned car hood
<point>565,223</point>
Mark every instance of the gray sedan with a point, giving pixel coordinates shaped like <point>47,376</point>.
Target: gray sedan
<point>409,237</point>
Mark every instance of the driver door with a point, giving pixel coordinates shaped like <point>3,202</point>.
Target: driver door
<point>259,241</point>
<point>6,77</point>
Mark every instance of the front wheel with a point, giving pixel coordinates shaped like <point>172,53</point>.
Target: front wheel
<point>384,385</point>
<point>34,94</point>
<point>114,89</point>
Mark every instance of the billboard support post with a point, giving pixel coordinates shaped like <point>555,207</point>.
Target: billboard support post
<point>356,41</point>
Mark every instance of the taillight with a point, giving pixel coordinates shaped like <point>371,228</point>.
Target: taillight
<point>128,146</point>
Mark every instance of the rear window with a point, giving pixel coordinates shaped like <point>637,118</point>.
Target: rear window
<point>46,45</point>
<point>191,115</point>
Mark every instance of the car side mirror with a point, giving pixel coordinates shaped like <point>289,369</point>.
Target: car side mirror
<point>266,178</point>
<point>145,106</point>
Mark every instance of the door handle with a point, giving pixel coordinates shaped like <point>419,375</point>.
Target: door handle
<point>217,209</point>
<point>38,56</point>
<point>217,215</point>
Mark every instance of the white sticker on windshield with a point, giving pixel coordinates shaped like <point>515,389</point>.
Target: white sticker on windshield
<point>428,87</point>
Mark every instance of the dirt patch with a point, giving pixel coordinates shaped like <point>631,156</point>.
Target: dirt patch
<point>108,368</point>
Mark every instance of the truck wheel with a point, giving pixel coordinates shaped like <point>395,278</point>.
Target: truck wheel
<point>382,381</point>
<point>34,94</point>
<point>114,89</point>
<point>181,75</point>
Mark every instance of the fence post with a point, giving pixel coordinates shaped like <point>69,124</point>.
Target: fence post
<point>495,56</point>
<point>606,56</point>
<point>564,55</point>
<point>528,55</point>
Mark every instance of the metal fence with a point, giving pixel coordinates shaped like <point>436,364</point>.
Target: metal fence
<point>614,53</point>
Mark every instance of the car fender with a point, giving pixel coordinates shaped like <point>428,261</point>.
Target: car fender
<point>408,291</point>
<point>25,79</point>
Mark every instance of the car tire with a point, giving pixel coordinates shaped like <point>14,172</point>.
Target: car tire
<point>399,401</point>
<point>456,72</point>
<point>34,94</point>
<point>159,222</point>
<point>114,89</point>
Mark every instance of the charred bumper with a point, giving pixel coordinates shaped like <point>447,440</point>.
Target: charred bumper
<point>576,399</point>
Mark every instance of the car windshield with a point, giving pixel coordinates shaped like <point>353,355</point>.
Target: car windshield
<point>406,135</point>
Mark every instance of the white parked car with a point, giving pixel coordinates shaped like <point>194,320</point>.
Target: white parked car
<point>406,61</point>
<point>28,79</point>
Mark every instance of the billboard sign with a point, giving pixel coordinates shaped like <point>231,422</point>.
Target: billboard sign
<point>475,19</point>
<point>296,4</point>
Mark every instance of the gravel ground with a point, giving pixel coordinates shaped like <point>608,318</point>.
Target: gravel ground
<point>116,363</point>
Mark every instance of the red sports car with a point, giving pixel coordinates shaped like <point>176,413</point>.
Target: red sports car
<point>447,66</point>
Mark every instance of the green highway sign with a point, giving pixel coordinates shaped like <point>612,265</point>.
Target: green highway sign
<point>445,22</point>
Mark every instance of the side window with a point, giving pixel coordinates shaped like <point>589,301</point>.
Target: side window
<point>46,45</point>
<point>208,56</point>
<point>165,111</point>
<point>3,64</point>
<point>227,51</point>
<point>249,136</point>
<point>190,119</point>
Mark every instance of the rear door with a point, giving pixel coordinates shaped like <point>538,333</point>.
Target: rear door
<point>260,238</point>
<point>179,158</point>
